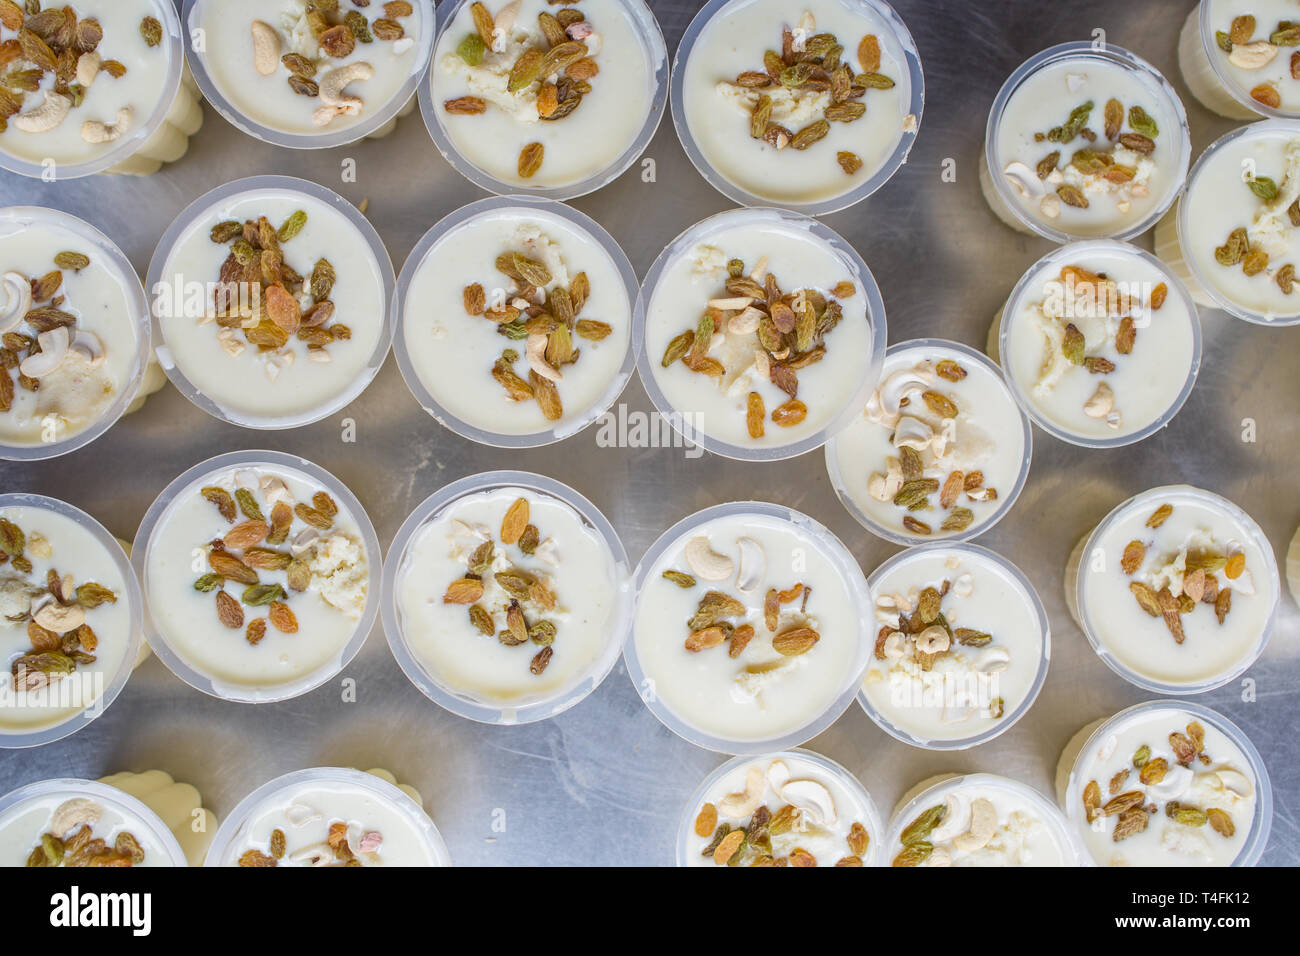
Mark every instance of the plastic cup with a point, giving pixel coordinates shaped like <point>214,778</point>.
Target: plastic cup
<point>1001,195</point>
<point>1077,576</point>
<point>1172,241</point>
<point>912,83</point>
<point>430,100</point>
<point>376,122</point>
<point>1030,284</point>
<point>833,550</point>
<point>1202,64</point>
<point>226,848</point>
<point>935,790</point>
<point>470,705</point>
<point>648,365</point>
<point>849,479</point>
<point>688,842</point>
<point>445,231</point>
<point>113,682</point>
<point>154,524</point>
<point>1092,737</point>
<point>15,220</point>
<point>1015,578</point>
<point>159,279</point>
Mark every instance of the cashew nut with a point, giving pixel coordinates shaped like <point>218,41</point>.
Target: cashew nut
<point>93,131</point>
<point>1102,401</point>
<point>811,797</point>
<point>73,813</point>
<point>536,353</point>
<point>18,300</point>
<point>501,25</point>
<point>740,806</point>
<point>885,487</point>
<point>731,304</point>
<point>956,819</point>
<point>983,824</point>
<point>1235,781</point>
<point>300,814</point>
<point>1050,205</point>
<point>60,618</point>
<point>895,646</point>
<point>993,661</point>
<point>89,347</point>
<point>54,348</point>
<point>1024,180</point>
<point>304,541</point>
<point>707,563</point>
<point>88,68</point>
<point>335,81</point>
<point>318,854</point>
<point>276,491</point>
<point>1252,56</point>
<point>912,433</point>
<point>752,564</point>
<point>52,111</point>
<point>964,586</point>
<point>933,640</point>
<point>266,48</point>
<point>744,322</point>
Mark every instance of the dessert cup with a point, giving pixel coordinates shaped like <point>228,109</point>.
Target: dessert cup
<point>309,79</point>
<point>978,819</point>
<point>754,392</point>
<point>967,446</point>
<point>258,569</point>
<point>531,98</point>
<point>69,291</point>
<point>1293,566</point>
<point>503,612</point>
<point>1166,783</point>
<point>1103,343</point>
<point>1233,237</point>
<point>812,106</point>
<point>1104,158</point>
<point>329,816</point>
<point>75,823</point>
<point>68,654</point>
<point>962,650</point>
<point>795,808</point>
<point>462,303</point>
<point>1176,590</point>
<point>178,805</point>
<point>1230,63</point>
<point>752,628</point>
<point>126,105</point>
<point>269,302</point>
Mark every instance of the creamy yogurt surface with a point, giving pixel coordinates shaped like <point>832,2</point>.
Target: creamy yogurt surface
<point>1163,787</point>
<point>979,820</point>
<point>748,629</point>
<point>787,331</point>
<point>257,577</point>
<point>782,810</point>
<point>1239,221</point>
<point>64,299</point>
<point>939,446</point>
<point>527,282</point>
<point>1178,589</point>
<point>1255,44</point>
<point>958,649</point>
<point>507,603</point>
<point>63,638</point>
<point>299,68</point>
<point>543,96</point>
<point>68,828</point>
<point>1090,147</point>
<point>269,346</point>
<point>797,102</point>
<point>1098,342</point>
<point>93,72</point>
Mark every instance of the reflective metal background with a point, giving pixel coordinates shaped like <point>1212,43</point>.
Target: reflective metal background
<point>604,783</point>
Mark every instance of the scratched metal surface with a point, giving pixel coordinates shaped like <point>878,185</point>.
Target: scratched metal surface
<point>607,766</point>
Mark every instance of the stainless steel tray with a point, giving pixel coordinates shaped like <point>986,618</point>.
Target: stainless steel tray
<point>604,783</point>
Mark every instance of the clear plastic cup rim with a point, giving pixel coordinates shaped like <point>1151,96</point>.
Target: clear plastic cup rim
<point>833,549</point>
<point>896,536</point>
<point>416,261</point>
<point>1193,265</point>
<point>1032,600</point>
<point>656,51</point>
<point>237,118</point>
<point>1248,528</point>
<point>1119,56</point>
<point>1263,820</point>
<point>137,308</point>
<point>170,242</point>
<point>907,136</point>
<point>154,522</point>
<point>1050,814</point>
<point>527,710</point>
<point>786,220</point>
<point>127,146</point>
<point>126,804</point>
<point>117,680</point>
<point>1011,312</point>
<point>870,815</point>
<point>1233,88</point>
<point>232,828</point>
